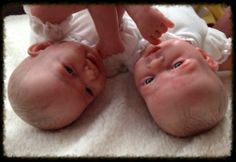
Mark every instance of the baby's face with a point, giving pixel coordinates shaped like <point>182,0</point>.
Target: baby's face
<point>172,74</point>
<point>69,76</point>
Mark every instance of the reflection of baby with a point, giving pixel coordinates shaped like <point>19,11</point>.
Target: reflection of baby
<point>177,80</point>
<point>62,76</point>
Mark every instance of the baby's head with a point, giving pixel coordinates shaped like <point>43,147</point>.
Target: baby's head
<point>52,87</point>
<point>180,87</point>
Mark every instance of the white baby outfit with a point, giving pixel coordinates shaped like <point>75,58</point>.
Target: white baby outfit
<point>188,26</point>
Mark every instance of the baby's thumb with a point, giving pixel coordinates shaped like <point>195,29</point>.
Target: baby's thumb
<point>98,52</point>
<point>168,22</point>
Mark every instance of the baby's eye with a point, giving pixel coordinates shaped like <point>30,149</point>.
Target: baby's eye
<point>89,91</point>
<point>148,80</point>
<point>177,64</point>
<point>68,69</point>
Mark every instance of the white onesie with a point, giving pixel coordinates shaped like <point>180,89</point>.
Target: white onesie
<point>188,26</point>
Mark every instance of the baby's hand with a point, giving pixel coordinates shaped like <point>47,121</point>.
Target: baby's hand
<point>106,49</point>
<point>153,24</point>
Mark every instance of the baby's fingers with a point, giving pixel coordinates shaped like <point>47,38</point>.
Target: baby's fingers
<point>162,28</point>
<point>168,23</point>
<point>153,40</point>
<point>98,52</point>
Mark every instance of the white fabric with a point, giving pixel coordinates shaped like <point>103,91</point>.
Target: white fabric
<point>188,26</point>
<point>80,27</point>
<point>116,124</point>
<point>191,27</point>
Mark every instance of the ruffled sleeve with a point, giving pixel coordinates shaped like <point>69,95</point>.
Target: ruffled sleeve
<point>217,45</point>
<point>47,31</point>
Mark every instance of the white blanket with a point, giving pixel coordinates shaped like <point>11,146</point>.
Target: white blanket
<point>116,124</point>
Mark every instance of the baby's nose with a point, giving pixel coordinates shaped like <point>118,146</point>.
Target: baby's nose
<point>156,62</point>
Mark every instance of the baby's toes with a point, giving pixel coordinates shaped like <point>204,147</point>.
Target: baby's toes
<point>153,40</point>
<point>157,34</point>
<point>163,28</point>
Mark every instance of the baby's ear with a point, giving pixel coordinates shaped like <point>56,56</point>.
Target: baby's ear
<point>36,48</point>
<point>210,61</point>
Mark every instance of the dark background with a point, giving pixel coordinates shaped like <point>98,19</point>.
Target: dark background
<point>12,9</point>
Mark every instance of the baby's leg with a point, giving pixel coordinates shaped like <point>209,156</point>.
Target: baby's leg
<point>54,13</point>
<point>224,23</point>
<point>151,22</point>
<point>105,18</point>
<point>120,12</point>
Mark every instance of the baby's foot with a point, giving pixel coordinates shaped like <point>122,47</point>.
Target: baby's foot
<point>152,24</point>
<point>109,48</point>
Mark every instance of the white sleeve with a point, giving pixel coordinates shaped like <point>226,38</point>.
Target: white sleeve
<point>188,25</point>
<point>217,45</point>
<point>44,31</point>
<point>77,27</point>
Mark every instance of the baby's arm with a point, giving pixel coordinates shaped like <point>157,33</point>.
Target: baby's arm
<point>54,13</point>
<point>151,22</point>
<point>224,23</point>
<point>227,65</point>
<point>105,18</point>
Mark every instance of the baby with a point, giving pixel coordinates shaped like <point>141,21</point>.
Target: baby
<point>63,74</point>
<point>176,78</point>
<point>217,16</point>
<point>53,86</point>
<point>107,19</point>
<point>180,87</point>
